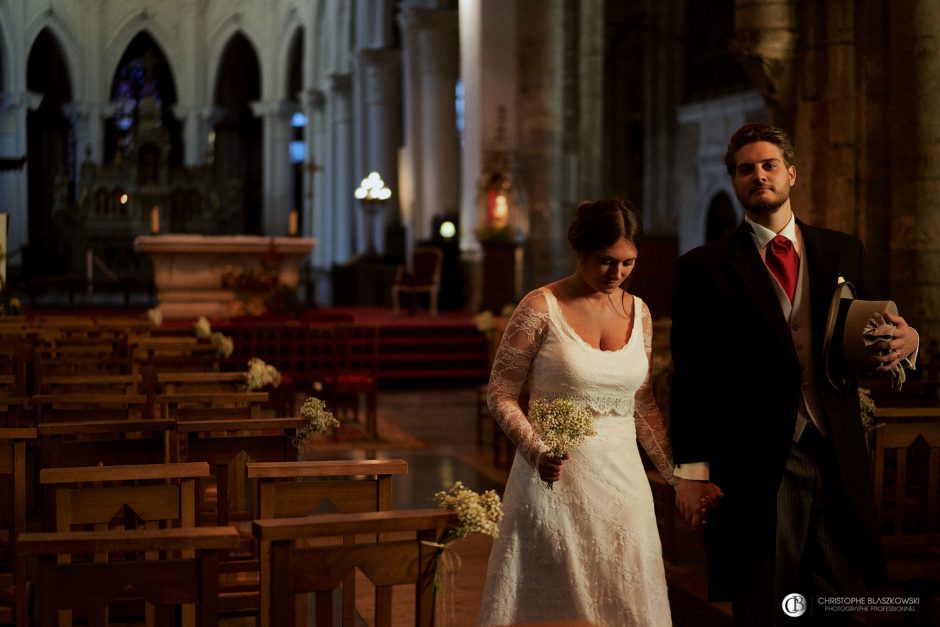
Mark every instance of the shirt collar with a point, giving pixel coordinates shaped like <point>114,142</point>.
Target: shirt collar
<point>762,235</point>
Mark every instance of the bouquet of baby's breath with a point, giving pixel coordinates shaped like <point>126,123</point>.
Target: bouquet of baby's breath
<point>261,374</point>
<point>317,419</point>
<point>202,328</point>
<point>477,513</point>
<point>867,406</point>
<point>223,344</point>
<point>561,424</point>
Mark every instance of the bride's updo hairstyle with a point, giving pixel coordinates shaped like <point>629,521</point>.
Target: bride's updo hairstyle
<point>601,223</point>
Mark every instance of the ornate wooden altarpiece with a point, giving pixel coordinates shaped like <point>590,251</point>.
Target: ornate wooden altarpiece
<point>142,195</point>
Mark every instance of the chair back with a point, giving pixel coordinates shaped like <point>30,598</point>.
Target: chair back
<point>426,264</point>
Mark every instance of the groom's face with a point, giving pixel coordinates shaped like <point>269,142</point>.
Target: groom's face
<point>762,179</point>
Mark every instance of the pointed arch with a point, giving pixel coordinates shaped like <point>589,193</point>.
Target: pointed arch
<point>49,141</point>
<point>237,147</point>
<point>52,25</point>
<point>142,73</point>
<point>220,39</point>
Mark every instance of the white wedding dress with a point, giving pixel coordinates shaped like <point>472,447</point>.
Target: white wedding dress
<point>589,547</point>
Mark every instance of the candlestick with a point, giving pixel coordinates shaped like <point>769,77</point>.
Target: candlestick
<point>292,225</point>
<point>155,220</point>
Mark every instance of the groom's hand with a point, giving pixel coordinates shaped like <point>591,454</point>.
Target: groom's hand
<point>695,498</point>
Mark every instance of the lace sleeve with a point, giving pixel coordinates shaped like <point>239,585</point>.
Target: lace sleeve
<point>518,347</point>
<point>650,430</point>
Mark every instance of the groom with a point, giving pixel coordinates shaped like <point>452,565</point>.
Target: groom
<point>766,448</point>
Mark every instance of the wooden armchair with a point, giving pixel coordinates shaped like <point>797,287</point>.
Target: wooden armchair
<point>296,569</point>
<point>425,276</point>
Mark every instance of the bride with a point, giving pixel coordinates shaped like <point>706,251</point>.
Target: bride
<point>589,547</point>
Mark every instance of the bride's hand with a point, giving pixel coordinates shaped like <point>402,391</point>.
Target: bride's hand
<point>550,467</point>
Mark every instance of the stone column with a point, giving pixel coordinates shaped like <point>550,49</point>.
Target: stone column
<point>431,69</point>
<point>320,216</point>
<point>348,227</point>
<point>275,116</point>
<point>197,121</point>
<point>13,187</point>
<point>915,254</point>
<point>541,118</point>
<point>380,81</point>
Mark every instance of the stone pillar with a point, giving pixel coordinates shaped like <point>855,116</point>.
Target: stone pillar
<point>197,121</point>
<point>350,238</point>
<point>320,216</point>
<point>915,255</point>
<point>541,118</point>
<point>13,194</point>
<point>275,116</point>
<point>380,83</point>
<point>431,69</point>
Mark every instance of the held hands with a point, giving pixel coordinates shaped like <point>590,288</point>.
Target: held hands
<point>695,499</point>
<point>550,467</point>
<point>904,341</point>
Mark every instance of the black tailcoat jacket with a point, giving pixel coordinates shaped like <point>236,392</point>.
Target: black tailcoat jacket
<point>737,387</point>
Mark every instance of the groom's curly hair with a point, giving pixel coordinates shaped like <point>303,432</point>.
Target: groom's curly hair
<point>758,132</point>
<point>601,223</point>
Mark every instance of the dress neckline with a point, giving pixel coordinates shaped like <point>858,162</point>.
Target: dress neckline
<point>564,321</point>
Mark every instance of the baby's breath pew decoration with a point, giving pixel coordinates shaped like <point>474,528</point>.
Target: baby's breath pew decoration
<point>224,345</point>
<point>155,316</point>
<point>202,328</point>
<point>261,374</point>
<point>476,513</point>
<point>867,406</point>
<point>561,424</point>
<point>317,419</point>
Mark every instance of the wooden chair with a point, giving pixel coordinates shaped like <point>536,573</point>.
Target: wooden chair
<point>907,493</point>
<point>296,489</point>
<point>296,569</point>
<point>80,356</point>
<point>425,276</point>
<point>148,496</point>
<point>170,581</point>
<point>13,443</point>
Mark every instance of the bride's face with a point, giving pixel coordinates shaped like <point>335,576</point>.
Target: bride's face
<point>606,269</point>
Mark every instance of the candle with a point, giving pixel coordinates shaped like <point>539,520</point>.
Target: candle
<point>292,225</point>
<point>89,265</point>
<point>155,220</point>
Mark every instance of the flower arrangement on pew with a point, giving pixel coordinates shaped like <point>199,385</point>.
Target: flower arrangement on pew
<point>476,513</point>
<point>224,345</point>
<point>317,419</point>
<point>261,374</point>
<point>155,316</point>
<point>867,405</point>
<point>561,424</point>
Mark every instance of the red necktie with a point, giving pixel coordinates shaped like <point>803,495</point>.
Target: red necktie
<point>784,263</point>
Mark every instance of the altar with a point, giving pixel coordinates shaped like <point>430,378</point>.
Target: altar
<point>202,275</point>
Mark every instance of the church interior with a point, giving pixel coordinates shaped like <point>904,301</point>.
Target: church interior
<point>354,194</point>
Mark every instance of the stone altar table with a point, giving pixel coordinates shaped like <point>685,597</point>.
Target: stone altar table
<point>188,270</point>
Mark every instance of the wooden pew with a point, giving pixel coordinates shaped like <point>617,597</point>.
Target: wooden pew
<point>320,569</point>
<point>92,586</point>
<point>296,489</point>
<point>13,443</point>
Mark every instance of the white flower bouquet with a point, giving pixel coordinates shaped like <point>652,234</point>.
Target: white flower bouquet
<point>477,513</point>
<point>561,424</point>
<point>202,328</point>
<point>224,345</point>
<point>155,315</point>
<point>261,374</point>
<point>317,419</point>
